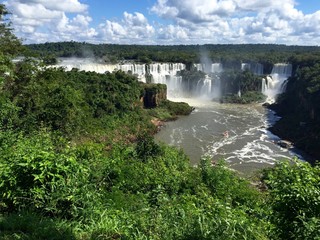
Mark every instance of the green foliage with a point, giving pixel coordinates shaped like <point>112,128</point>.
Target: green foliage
<point>144,191</point>
<point>68,101</point>
<point>244,81</point>
<point>73,167</point>
<point>10,45</point>
<point>295,200</point>
<point>176,108</point>
<point>34,175</point>
<point>27,225</point>
<point>299,107</point>
<point>168,110</point>
<point>247,97</point>
<point>229,54</point>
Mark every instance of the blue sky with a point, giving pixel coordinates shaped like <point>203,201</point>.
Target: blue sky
<point>167,21</point>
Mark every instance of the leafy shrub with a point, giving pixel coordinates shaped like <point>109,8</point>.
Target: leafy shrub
<point>35,175</point>
<point>295,199</point>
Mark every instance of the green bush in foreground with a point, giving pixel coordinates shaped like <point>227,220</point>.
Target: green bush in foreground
<point>142,191</point>
<point>146,191</point>
<point>295,200</point>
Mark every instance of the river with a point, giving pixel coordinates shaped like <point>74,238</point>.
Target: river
<point>249,146</point>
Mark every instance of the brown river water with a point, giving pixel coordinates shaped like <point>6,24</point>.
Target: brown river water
<point>247,147</point>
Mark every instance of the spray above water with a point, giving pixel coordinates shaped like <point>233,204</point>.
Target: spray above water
<point>276,82</point>
<point>208,87</point>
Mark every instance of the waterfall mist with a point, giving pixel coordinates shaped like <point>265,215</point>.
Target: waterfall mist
<point>275,83</point>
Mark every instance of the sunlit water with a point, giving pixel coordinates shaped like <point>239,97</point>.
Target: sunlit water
<point>249,145</point>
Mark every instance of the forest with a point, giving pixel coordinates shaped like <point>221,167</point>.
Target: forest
<point>78,159</point>
<point>225,53</point>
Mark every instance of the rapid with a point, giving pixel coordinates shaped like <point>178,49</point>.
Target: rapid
<point>233,132</point>
<point>236,133</point>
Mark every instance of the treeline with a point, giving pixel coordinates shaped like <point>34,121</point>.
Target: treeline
<point>224,53</point>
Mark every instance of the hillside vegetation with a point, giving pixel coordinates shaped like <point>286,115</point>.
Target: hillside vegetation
<point>78,161</point>
<point>299,107</point>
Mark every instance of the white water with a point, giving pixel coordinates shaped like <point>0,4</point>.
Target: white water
<point>255,68</point>
<point>249,145</point>
<point>89,65</point>
<point>209,87</point>
<point>275,83</point>
<point>166,73</point>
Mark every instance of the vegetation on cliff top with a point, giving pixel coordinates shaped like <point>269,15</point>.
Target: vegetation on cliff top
<point>299,107</point>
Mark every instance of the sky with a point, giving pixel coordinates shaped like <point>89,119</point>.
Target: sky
<point>167,22</point>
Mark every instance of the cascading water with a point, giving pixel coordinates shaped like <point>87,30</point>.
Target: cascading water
<point>91,65</point>
<point>210,86</point>
<point>85,65</point>
<point>255,68</point>
<point>166,73</point>
<point>248,145</point>
<point>275,83</point>
<point>138,70</point>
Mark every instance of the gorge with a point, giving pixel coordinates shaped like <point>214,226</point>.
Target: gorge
<point>206,85</point>
<point>249,145</point>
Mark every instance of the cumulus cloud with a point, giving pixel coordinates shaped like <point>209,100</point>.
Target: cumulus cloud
<point>60,5</point>
<point>216,21</point>
<point>180,22</point>
<point>42,20</point>
<point>133,27</point>
<point>193,10</point>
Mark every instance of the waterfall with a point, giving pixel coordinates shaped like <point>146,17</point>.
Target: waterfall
<point>216,68</point>
<point>210,86</point>
<point>255,68</point>
<point>209,68</point>
<point>245,66</point>
<point>166,73</point>
<point>85,64</point>
<point>204,87</point>
<point>138,70</point>
<point>275,83</point>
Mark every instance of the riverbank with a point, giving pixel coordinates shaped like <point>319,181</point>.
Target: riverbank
<point>248,146</point>
<point>302,135</point>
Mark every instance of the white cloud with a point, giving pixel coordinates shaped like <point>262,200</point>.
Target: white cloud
<point>60,5</point>
<point>235,21</point>
<point>34,11</point>
<point>43,20</point>
<point>193,10</point>
<point>182,22</point>
<point>133,27</point>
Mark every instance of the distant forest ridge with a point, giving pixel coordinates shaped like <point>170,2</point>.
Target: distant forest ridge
<point>263,53</point>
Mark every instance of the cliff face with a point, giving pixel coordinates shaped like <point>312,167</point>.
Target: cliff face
<point>154,94</point>
<point>300,110</point>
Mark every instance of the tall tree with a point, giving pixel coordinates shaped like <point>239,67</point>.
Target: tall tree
<point>10,45</point>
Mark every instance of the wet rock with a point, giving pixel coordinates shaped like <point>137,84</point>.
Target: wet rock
<point>285,144</point>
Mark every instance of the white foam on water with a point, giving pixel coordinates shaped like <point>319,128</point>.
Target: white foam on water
<point>249,144</point>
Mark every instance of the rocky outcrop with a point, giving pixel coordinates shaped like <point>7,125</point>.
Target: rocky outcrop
<point>154,94</point>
